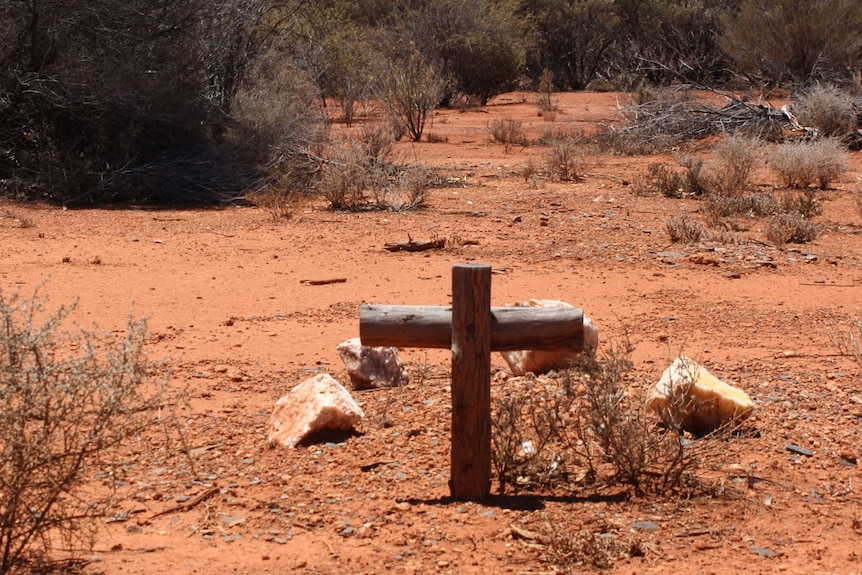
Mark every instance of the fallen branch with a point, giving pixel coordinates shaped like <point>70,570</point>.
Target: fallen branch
<point>323,282</point>
<point>184,506</point>
<point>416,245</point>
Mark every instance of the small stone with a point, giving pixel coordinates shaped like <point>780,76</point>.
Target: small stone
<point>762,551</point>
<point>799,450</point>
<point>233,520</point>
<point>645,525</point>
<point>372,367</point>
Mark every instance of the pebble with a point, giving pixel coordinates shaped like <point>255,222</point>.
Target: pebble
<point>799,450</point>
<point>645,525</point>
<point>762,551</point>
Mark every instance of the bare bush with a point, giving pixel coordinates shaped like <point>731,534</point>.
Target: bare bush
<point>279,124</point>
<point>70,400</point>
<point>804,203</point>
<point>353,180</point>
<point>508,132</point>
<point>567,430</point>
<point>828,109</point>
<point>567,159</point>
<point>787,228</point>
<point>683,229</point>
<point>378,143</point>
<point>751,205</point>
<point>659,179</point>
<point>802,163</point>
<point>650,458</point>
<point>734,162</point>
<point>279,203</point>
<point>410,86</point>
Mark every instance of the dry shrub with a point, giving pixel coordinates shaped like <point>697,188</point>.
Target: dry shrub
<point>751,205</point>
<point>566,431</point>
<point>410,86</point>
<point>353,180</point>
<point>71,399</point>
<point>508,132</point>
<point>828,109</point>
<point>659,179</point>
<point>788,227</point>
<point>734,161</point>
<point>345,178</point>
<point>405,188</point>
<point>279,125</point>
<point>802,163</point>
<point>279,203</point>
<point>570,547</point>
<point>804,203</point>
<point>683,229</point>
<point>567,159</point>
<point>669,183</point>
<point>377,142</point>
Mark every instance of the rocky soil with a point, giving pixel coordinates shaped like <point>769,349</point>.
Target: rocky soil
<point>234,299</point>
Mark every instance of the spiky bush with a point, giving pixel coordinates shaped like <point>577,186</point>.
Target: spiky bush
<point>70,399</point>
<point>827,108</point>
<point>802,163</point>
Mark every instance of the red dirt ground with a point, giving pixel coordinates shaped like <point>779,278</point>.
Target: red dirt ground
<point>228,299</point>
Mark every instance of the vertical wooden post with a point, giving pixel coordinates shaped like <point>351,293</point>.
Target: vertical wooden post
<point>471,382</point>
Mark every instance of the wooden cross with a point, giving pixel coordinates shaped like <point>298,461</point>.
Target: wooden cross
<point>472,329</point>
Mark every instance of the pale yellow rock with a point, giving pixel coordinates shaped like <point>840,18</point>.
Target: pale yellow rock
<point>542,361</point>
<point>704,402</point>
<point>317,404</point>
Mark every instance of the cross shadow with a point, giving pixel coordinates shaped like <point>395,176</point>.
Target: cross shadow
<point>526,502</point>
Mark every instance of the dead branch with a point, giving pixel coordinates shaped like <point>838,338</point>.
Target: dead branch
<point>323,282</point>
<point>184,506</point>
<point>416,245</point>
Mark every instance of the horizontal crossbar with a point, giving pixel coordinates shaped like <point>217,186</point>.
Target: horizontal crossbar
<point>512,328</point>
